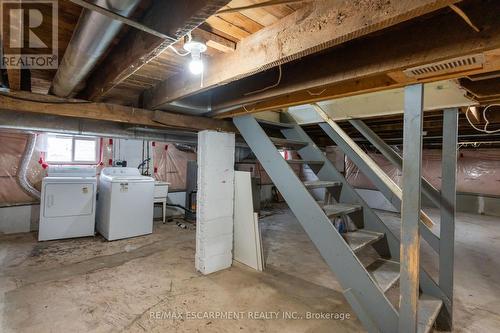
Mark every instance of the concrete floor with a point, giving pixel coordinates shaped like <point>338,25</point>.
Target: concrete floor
<point>90,285</point>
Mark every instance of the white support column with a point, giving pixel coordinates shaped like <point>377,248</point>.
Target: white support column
<point>215,196</point>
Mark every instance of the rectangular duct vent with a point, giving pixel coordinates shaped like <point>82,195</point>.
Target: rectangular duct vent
<point>455,65</point>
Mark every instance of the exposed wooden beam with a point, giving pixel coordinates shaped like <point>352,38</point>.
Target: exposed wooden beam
<point>214,41</point>
<point>50,105</point>
<point>19,79</point>
<point>184,121</point>
<point>350,70</point>
<point>482,88</point>
<point>14,78</point>
<point>13,73</point>
<point>258,5</point>
<point>316,26</point>
<point>172,18</point>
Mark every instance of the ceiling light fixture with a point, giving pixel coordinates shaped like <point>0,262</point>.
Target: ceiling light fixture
<point>196,49</point>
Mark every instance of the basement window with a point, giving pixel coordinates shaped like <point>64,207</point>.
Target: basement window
<point>63,149</point>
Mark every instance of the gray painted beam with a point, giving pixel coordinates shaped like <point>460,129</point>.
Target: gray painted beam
<point>448,190</point>
<point>410,214</point>
<point>362,314</point>
<point>429,191</point>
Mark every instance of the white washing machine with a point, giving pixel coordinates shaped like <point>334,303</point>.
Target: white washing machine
<point>125,204</point>
<point>68,203</point>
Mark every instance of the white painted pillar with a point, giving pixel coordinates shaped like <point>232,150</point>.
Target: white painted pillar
<point>215,196</point>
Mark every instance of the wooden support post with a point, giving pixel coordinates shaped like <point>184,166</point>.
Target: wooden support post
<point>448,201</point>
<point>410,236</point>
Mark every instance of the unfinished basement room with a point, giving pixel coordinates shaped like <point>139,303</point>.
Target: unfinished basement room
<point>250,166</point>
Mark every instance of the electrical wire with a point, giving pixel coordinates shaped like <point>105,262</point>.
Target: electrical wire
<point>202,72</point>
<point>190,38</point>
<point>245,108</point>
<point>268,87</point>
<point>177,52</point>
<point>464,16</point>
<point>485,129</point>
<point>316,94</point>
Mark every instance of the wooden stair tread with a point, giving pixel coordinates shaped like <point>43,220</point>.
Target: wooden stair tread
<point>357,240</point>
<point>305,162</point>
<point>339,209</point>
<point>428,310</point>
<point>288,143</point>
<point>311,184</point>
<point>384,272</point>
<point>274,124</point>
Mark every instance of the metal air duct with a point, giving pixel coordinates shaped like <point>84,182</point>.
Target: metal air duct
<point>92,36</point>
<point>22,172</point>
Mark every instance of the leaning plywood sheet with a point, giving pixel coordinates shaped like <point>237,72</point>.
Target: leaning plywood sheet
<point>247,248</point>
<point>258,241</point>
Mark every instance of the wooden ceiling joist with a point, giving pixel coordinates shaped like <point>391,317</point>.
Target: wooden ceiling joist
<point>316,26</point>
<point>258,5</point>
<point>352,70</point>
<point>50,105</point>
<point>214,41</point>
<point>173,18</point>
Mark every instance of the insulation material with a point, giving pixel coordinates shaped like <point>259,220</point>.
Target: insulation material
<point>11,149</point>
<point>170,164</point>
<point>478,171</point>
<point>106,154</point>
<point>214,215</point>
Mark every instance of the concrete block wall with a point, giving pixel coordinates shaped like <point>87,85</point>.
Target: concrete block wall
<point>215,196</point>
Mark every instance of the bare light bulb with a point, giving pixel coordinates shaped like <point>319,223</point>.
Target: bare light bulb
<point>196,49</point>
<point>196,66</point>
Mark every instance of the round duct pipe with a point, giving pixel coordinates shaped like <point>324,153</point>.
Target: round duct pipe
<point>91,38</point>
<point>22,173</point>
